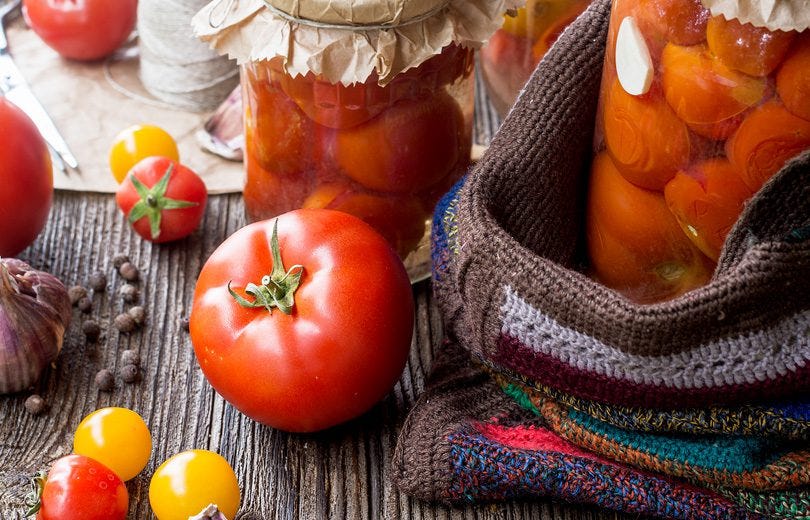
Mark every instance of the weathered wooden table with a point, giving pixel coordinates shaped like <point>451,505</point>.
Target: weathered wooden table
<point>340,473</point>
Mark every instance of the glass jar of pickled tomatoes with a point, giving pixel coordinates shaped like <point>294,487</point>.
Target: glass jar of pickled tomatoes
<point>696,112</point>
<point>382,153</point>
<point>361,106</point>
<point>512,53</point>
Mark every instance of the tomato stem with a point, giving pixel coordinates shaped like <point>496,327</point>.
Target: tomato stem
<point>277,289</point>
<point>34,498</point>
<point>154,201</point>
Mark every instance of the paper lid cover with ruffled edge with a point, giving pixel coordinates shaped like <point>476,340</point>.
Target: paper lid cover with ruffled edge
<point>347,40</point>
<point>784,15</point>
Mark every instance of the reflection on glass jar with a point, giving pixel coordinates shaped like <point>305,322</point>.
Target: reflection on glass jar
<point>695,114</point>
<point>382,153</point>
<point>512,53</point>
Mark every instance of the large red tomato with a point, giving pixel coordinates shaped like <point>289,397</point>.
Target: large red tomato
<point>26,180</point>
<point>309,337</point>
<point>81,29</point>
<point>79,488</point>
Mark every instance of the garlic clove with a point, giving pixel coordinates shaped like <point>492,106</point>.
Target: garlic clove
<point>34,314</point>
<point>634,66</point>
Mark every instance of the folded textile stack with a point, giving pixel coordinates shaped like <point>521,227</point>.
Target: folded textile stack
<point>551,385</point>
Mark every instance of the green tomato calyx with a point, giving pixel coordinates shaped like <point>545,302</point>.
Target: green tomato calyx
<point>34,498</point>
<point>277,289</point>
<point>154,201</point>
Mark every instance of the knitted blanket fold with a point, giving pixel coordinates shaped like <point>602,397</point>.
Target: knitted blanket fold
<point>467,442</point>
<point>506,251</point>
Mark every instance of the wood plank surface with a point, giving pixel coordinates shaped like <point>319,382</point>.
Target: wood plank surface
<point>341,473</point>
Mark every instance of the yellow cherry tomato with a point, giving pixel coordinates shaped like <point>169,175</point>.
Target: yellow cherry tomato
<point>139,142</point>
<point>117,438</point>
<point>189,482</point>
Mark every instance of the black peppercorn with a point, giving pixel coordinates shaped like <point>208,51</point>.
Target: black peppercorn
<point>129,272</point>
<point>35,404</point>
<point>85,305</point>
<point>138,314</point>
<point>105,380</point>
<point>91,330</point>
<point>76,293</point>
<point>98,281</point>
<point>130,373</point>
<point>128,292</point>
<point>124,323</point>
<point>130,357</point>
<point>119,260</point>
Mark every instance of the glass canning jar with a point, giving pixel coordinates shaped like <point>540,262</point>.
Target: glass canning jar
<point>512,53</point>
<point>696,113</point>
<point>382,153</point>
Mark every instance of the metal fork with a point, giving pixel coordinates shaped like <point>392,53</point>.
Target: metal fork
<point>16,90</point>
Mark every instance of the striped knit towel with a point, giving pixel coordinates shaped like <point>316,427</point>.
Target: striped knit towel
<point>749,462</point>
<point>506,267</point>
<point>466,441</point>
<point>786,420</point>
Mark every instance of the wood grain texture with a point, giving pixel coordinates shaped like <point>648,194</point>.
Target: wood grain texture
<point>341,473</point>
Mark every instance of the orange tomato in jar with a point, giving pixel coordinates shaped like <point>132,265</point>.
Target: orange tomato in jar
<point>410,146</point>
<point>793,79</point>
<point>682,22</point>
<point>707,200</point>
<point>765,141</point>
<point>635,244</point>
<point>401,220</point>
<point>268,193</point>
<point>644,137</point>
<point>704,92</point>
<point>743,47</point>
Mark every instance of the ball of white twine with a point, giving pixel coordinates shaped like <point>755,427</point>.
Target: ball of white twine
<point>175,66</point>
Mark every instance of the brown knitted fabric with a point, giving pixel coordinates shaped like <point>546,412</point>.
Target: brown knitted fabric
<point>514,298</point>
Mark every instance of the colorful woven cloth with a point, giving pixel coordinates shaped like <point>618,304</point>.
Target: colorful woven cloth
<point>468,442</point>
<point>793,504</point>
<point>777,420</point>
<point>754,463</point>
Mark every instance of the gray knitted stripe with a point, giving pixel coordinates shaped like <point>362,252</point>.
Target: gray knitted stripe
<point>747,358</point>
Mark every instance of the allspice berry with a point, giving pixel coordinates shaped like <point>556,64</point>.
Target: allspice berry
<point>130,357</point>
<point>98,281</point>
<point>35,404</point>
<point>184,323</point>
<point>119,260</point>
<point>91,330</point>
<point>128,293</point>
<point>138,314</point>
<point>76,293</point>
<point>124,323</point>
<point>85,305</point>
<point>105,381</point>
<point>130,374</point>
<point>129,272</point>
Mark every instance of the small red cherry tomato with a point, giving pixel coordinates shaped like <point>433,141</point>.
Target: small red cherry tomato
<point>79,488</point>
<point>162,199</point>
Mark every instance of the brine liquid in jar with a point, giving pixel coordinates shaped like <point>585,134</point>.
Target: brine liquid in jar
<point>515,49</point>
<point>696,113</point>
<point>382,153</point>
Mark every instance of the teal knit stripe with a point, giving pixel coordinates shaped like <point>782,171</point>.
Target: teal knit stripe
<point>726,453</point>
<point>793,504</point>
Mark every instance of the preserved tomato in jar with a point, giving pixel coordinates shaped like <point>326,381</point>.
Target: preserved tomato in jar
<point>359,106</point>
<point>382,153</point>
<point>512,53</point>
<point>696,112</point>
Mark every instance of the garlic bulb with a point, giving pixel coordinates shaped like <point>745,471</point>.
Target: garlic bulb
<point>34,313</point>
